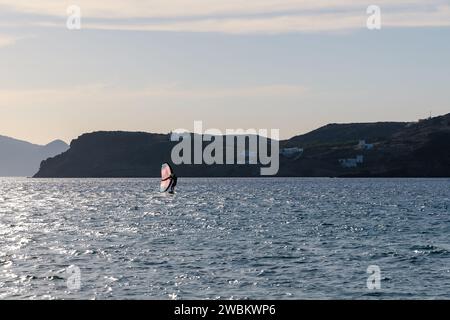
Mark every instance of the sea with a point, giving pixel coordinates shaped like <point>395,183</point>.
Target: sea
<point>225,238</point>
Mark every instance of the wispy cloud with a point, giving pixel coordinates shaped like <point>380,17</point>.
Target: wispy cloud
<point>237,16</point>
<point>6,40</point>
<point>97,94</point>
<point>192,8</point>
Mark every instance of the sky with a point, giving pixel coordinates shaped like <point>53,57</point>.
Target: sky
<point>159,65</point>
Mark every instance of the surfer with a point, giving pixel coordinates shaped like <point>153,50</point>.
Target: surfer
<point>168,179</point>
<point>174,182</point>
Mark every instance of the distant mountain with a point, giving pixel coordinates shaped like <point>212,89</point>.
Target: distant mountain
<point>397,149</point>
<point>20,158</point>
<point>127,154</point>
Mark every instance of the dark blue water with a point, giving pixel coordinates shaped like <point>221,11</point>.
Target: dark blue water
<point>224,238</point>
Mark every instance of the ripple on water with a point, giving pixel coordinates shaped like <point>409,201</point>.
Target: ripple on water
<point>224,238</point>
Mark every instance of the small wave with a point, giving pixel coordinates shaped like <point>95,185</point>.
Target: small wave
<point>429,250</point>
<point>54,277</point>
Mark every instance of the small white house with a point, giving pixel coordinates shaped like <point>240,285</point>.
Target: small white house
<point>359,159</point>
<point>348,163</point>
<point>362,145</point>
<point>351,162</point>
<point>291,152</point>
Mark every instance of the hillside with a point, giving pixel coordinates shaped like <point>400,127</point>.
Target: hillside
<point>334,133</point>
<point>20,158</point>
<point>127,154</point>
<point>419,149</point>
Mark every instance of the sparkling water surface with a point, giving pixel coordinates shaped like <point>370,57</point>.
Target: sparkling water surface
<point>275,238</point>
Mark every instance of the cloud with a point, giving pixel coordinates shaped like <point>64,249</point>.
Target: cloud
<point>192,8</point>
<point>236,16</point>
<point>440,17</point>
<point>271,25</point>
<point>6,40</point>
<point>98,94</point>
<point>275,90</point>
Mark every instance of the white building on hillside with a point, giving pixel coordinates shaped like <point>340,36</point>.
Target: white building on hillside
<point>351,162</point>
<point>291,152</point>
<point>348,163</point>
<point>362,145</point>
<point>359,159</point>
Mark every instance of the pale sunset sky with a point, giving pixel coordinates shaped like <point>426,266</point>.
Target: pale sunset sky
<point>158,65</point>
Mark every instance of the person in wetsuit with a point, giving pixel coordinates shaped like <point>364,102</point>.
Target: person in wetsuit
<point>174,182</point>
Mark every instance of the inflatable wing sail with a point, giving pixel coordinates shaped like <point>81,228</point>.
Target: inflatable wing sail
<point>166,180</point>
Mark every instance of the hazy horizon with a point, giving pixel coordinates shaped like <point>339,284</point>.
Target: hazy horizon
<point>113,130</point>
<point>157,66</point>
